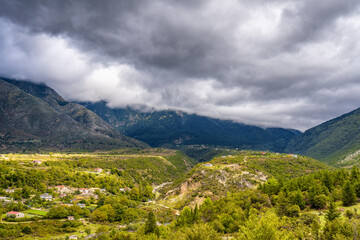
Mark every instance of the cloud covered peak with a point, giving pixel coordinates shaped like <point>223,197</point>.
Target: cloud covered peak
<point>287,63</point>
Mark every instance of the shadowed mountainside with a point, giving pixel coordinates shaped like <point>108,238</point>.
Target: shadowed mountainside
<point>33,115</point>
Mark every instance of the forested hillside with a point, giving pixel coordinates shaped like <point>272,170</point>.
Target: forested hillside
<point>125,194</point>
<point>235,171</point>
<point>336,141</point>
<point>174,128</point>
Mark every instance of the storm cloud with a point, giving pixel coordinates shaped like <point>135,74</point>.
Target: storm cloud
<point>287,63</point>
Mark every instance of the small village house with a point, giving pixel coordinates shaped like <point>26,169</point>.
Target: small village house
<point>99,170</point>
<point>62,189</point>
<point>82,205</point>
<point>9,190</point>
<point>70,218</point>
<point>208,164</point>
<point>73,237</point>
<point>46,197</point>
<point>14,214</point>
<point>84,190</point>
<point>6,199</point>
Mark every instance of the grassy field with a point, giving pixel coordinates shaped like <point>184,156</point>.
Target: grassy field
<point>36,212</point>
<point>342,209</point>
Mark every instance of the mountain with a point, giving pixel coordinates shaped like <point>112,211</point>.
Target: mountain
<point>336,141</point>
<point>233,172</point>
<point>34,115</point>
<point>173,128</point>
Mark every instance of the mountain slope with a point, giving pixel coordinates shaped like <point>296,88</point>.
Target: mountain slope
<point>33,118</point>
<point>234,172</point>
<point>332,141</point>
<point>171,128</point>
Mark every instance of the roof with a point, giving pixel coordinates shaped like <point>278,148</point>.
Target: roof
<point>61,186</point>
<point>46,195</point>
<point>12,212</point>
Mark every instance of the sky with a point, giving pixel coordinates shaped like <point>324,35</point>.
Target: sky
<point>283,63</point>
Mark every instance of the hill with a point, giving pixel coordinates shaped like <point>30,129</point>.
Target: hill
<point>335,142</point>
<point>171,128</point>
<point>234,172</point>
<point>33,116</point>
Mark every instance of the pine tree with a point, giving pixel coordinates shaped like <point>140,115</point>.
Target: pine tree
<point>348,194</point>
<point>150,224</point>
<point>195,214</point>
<point>354,173</point>
<point>332,213</point>
<point>299,200</point>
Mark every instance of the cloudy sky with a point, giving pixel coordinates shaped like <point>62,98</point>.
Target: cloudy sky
<point>288,63</point>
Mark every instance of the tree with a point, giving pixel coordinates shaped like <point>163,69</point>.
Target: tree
<point>104,213</point>
<point>332,213</point>
<point>57,212</point>
<point>348,194</point>
<point>27,230</point>
<point>186,217</point>
<point>150,224</point>
<point>282,204</point>
<point>299,200</point>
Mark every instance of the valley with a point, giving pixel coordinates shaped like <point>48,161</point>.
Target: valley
<point>85,171</point>
<point>110,193</point>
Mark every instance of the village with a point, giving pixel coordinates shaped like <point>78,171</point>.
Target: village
<point>39,205</point>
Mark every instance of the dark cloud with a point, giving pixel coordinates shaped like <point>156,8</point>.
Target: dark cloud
<point>291,63</point>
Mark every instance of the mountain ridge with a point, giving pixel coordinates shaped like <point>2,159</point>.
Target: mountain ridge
<point>170,128</point>
<point>31,118</point>
<point>330,141</point>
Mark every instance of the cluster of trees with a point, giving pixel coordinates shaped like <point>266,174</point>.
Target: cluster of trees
<point>62,211</point>
<point>315,190</point>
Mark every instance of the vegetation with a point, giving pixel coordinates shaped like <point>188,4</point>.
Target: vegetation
<point>281,196</point>
<point>169,128</point>
<point>335,142</point>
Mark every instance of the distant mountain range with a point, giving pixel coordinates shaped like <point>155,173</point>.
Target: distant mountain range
<point>169,128</point>
<point>34,116</point>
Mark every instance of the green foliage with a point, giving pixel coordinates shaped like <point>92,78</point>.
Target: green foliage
<point>332,213</point>
<point>150,224</point>
<point>264,227</point>
<point>331,142</point>
<point>188,216</point>
<point>348,194</point>
<point>104,213</point>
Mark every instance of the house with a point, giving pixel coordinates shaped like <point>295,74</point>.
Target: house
<point>70,218</point>
<point>99,170</point>
<point>81,205</point>
<point>61,188</point>
<point>9,190</point>
<point>13,214</point>
<point>37,162</point>
<point>84,190</point>
<point>6,199</point>
<point>208,164</point>
<point>46,197</point>
<point>73,237</point>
